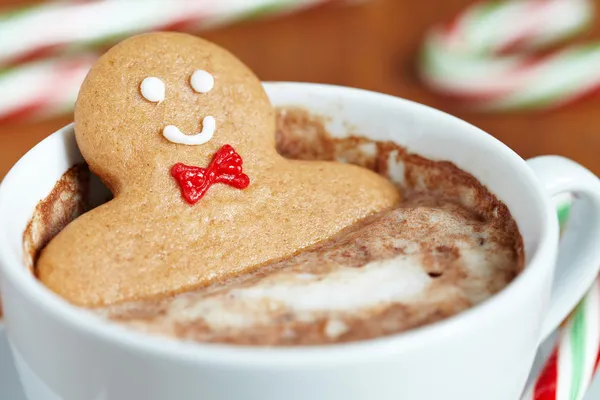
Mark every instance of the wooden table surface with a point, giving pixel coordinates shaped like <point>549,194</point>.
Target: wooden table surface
<point>371,46</point>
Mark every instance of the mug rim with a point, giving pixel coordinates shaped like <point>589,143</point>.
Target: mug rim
<point>226,354</point>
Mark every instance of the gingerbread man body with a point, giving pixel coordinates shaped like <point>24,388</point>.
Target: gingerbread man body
<point>149,241</point>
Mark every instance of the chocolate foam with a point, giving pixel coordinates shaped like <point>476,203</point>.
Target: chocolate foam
<point>449,246</point>
<point>67,201</point>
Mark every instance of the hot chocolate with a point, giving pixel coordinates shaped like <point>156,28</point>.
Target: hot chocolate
<point>448,246</point>
<point>256,229</point>
<point>191,209</point>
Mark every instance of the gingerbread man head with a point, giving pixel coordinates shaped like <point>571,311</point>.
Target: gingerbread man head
<point>166,98</point>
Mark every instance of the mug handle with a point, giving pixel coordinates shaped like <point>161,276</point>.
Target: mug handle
<point>578,260</point>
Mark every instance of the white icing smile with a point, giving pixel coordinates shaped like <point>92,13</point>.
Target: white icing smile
<point>153,90</point>
<point>173,134</point>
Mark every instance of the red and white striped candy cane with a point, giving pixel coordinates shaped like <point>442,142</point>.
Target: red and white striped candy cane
<point>571,367</point>
<point>62,27</point>
<point>42,88</point>
<point>569,371</point>
<point>48,50</point>
<point>487,56</point>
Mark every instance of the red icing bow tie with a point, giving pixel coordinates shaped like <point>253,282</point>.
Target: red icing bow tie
<point>225,167</point>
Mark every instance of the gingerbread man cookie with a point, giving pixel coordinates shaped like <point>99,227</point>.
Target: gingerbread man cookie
<point>183,134</point>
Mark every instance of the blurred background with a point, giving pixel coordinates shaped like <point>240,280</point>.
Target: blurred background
<point>370,44</point>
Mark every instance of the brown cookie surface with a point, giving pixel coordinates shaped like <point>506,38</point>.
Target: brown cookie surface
<point>148,241</point>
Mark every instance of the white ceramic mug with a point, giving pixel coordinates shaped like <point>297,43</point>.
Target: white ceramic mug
<point>63,352</point>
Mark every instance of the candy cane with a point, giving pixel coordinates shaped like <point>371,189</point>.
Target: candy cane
<point>570,369</point>
<point>52,41</point>
<point>42,88</point>
<point>65,27</point>
<point>484,57</point>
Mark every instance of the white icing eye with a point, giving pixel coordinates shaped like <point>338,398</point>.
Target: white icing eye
<point>202,81</point>
<point>153,89</point>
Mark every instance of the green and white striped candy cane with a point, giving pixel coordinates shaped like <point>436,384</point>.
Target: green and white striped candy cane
<point>42,88</point>
<point>486,56</point>
<point>50,46</point>
<point>571,367</point>
<point>54,28</point>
